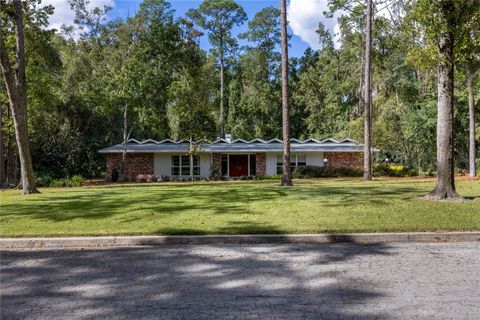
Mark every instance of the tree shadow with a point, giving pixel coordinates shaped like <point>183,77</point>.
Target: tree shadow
<point>129,209</point>
<point>232,198</point>
<point>190,282</point>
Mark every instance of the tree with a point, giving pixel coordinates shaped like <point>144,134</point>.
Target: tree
<point>254,95</point>
<point>218,17</point>
<point>367,151</point>
<point>287,176</point>
<point>469,57</point>
<point>16,84</point>
<point>2,151</point>
<point>445,187</point>
<point>471,116</point>
<point>445,21</point>
<point>353,5</point>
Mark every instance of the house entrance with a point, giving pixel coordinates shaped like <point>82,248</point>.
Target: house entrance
<point>238,165</point>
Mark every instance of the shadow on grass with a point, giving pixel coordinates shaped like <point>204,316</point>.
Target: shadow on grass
<point>128,204</point>
<point>193,282</point>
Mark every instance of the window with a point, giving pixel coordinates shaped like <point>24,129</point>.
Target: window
<point>175,165</point>
<point>301,160</point>
<point>279,163</point>
<point>185,165</point>
<point>181,165</point>
<point>224,165</point>
<point>296,160</point>
<point>196,165</point>
<point>253,165</point>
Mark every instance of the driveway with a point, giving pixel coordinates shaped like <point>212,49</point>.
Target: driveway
<point>336,281</point>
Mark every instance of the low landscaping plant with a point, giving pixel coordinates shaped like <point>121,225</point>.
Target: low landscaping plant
<point>57,183</point>
<point>276,177</point>
<point>325,172</point>
<point>75,181</point>
<point>383,169</point>
<point>44,180</point>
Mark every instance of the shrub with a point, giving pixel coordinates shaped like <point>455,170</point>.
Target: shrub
<point>44,180</point>
<point>57,183</point>
<point>325,172</point>
<point>276,177</point>
<point>216,173</point>
<point>77,180</point>
<point>386,170</point>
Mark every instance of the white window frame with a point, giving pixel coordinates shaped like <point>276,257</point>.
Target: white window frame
<point>294,157</point>
<point>180,165</point>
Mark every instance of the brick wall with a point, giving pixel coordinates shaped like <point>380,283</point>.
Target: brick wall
<point>138,166</point>
<point>216,165</point>
<point>260,164</point>
<point>344,159</point>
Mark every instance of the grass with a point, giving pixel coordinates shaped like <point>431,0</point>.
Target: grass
<point>311,206</point>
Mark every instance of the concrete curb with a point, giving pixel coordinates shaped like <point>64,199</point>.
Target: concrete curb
<point>126,241</point>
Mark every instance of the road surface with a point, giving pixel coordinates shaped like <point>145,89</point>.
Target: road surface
<point>335,281</point>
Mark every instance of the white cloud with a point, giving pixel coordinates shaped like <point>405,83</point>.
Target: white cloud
<point>64,15</point>
<point>304,16</point>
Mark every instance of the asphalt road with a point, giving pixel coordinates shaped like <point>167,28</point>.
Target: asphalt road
<point>336,281</point>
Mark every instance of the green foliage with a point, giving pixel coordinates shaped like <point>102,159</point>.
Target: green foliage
<point>383,169</point>
<point>326,172</point>
<point>58,183</point>
<point>218,17</point>
<point>274,177</point>
<point>77,181</point>
<point>152,63</point>
<point>44,180</point>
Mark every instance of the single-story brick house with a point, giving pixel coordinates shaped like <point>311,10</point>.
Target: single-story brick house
<point>152,160</point>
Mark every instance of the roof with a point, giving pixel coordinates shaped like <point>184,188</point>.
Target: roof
<point>237,145</point>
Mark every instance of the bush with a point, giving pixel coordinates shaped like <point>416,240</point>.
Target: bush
<point>325,172</point>
<point>276,177</point>
<point>77,181</point>
<point>216,173</point>
<point>387,170</point>
<point>57,183</point>
<point>44,180</point>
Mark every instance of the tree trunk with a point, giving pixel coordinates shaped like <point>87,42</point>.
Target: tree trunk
<point>17,94</point>
<point>2,151</point>
<point>445,186</point>
<point>12,166</point>
<point>471,116</point>
<point>367,152</point>
<point>11,171</point>
<point>287,176</point>
<point>125,141</point>
<point>222,88</point>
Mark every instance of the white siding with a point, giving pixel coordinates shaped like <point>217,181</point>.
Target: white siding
<point>162,165</point>
<point>315,159</point>
<point>271,164</point>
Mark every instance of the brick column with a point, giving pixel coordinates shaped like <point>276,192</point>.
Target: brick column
<point>260,164</point>
<point>216,165</point>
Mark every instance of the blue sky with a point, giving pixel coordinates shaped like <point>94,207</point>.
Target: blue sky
<point>303,16</point>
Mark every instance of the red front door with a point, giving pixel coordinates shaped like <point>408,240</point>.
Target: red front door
<point>238,165</point>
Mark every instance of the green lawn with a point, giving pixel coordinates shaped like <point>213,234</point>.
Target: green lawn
<point>327,205</point>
